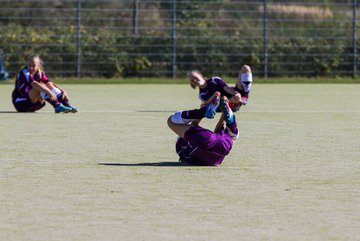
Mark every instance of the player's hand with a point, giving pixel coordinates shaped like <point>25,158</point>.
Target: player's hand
<point>65,96</point>
<point>52,96</point>
<point>237,97</point>
<point>243,101</point>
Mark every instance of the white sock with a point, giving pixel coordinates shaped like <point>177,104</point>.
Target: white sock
<point>246,77</point>
<point>177,119</point>
<point>246,81</point>
<point>56,91</point>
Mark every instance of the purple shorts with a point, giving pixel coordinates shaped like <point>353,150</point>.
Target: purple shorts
<point>25,105</point>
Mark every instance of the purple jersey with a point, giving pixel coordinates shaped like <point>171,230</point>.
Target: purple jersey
<point>214,84</point>
<point>204,147</point>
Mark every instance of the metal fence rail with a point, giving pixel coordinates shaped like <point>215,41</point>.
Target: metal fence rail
<point>169,37</point>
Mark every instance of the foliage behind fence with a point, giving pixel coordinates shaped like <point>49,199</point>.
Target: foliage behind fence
<point>168,38</point>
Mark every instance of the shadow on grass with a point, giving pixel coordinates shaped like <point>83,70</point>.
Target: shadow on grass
<point>146,164</point>
<point>7,112</point>
<point>26,112</point>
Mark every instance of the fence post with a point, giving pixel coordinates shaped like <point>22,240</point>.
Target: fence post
<point>78,36</point>
<point>354,40</point>
<point>135,17</point>
<point>174,40</point>
<point>265,39</point>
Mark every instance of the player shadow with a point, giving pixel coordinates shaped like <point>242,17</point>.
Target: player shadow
<point>8,111</point>
<point>146,164</point>
<point>27,113</point>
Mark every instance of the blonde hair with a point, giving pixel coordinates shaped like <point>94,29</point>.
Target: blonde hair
<point>41,63</point>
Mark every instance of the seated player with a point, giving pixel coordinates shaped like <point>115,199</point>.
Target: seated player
<point>3,74</point>
<point>237,95</point>
<point>199,146</point>
<point>32,88</point>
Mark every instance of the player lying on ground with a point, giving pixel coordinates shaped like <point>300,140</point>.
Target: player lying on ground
<point>32,88</point>
<point>199,146</point>
<point>237,95</point>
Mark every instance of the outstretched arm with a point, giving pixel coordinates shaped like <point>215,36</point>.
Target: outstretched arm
<point>217,93</point>
<point>229,90</point>
<point>236,96</point>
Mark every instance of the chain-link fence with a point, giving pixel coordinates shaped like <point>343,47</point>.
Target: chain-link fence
<point>152,38</point>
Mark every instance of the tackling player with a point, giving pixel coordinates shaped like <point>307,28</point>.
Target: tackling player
<point>237,95</point>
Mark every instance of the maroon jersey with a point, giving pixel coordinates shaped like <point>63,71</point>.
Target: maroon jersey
<point>23,82</point>
<point>20,94</point>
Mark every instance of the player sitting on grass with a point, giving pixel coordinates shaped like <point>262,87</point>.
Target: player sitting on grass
<point>237,95</point>
<point>199,146</point>
<point>32,88</point>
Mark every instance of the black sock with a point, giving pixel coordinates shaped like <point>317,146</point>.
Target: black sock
<point>196,114</point>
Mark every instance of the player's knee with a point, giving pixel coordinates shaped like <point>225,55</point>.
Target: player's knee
<point>169,122</point>
<point>172,125</point>
<point>245,69</point>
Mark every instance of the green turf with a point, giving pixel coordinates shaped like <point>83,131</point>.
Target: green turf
<point>110,171</point>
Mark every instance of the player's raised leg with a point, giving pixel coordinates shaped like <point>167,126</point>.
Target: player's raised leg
<point>229,117</point>
<point>244,82</point>
<point>180,121</point>
<point>188,116</point>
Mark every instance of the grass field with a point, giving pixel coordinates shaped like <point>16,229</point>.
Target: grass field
<point>110,172</point>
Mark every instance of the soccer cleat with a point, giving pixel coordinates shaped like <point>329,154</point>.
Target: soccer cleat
<point>228,113</point>
<point>62,109</point>
<point>72,108</point>
<point>212,107</point>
